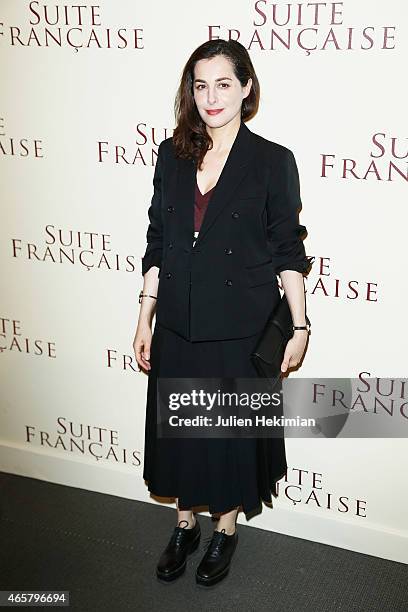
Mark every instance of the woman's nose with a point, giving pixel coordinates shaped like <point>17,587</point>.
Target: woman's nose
<point>212,95</point>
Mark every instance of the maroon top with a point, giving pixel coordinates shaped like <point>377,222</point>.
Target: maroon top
<point>200,206</point>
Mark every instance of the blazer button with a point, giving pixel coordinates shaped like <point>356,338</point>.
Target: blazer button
<point>235,215</point>
<point>170,208</point>
<point>168,275</point>
<point>228,282</point>
<point>228,251</point>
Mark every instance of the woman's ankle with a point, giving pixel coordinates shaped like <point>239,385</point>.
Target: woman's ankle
<point>186,521</point>
<point>228,529</point>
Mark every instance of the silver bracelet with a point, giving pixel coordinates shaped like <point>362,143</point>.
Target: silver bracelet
<point>306,327</point>
<point>141,295</point>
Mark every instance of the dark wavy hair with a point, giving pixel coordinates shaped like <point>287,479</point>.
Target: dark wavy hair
<point>190,137</point>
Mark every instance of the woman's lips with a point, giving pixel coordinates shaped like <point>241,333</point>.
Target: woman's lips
<point>214,111</point>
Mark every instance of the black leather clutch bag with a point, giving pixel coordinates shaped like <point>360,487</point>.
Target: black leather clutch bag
<point>269,351</point>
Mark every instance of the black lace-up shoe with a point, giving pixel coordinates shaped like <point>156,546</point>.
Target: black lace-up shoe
<point>173,560</point>
<point>215,564</point>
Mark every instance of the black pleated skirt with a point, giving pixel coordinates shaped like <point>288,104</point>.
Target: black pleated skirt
<point>219,473</point>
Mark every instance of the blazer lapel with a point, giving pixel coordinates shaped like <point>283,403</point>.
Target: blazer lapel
<point>232,175</point>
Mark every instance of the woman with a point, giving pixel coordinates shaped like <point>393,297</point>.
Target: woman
<point>223,223</point>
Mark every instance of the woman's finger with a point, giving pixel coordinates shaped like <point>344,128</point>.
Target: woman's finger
<point>139,354</point>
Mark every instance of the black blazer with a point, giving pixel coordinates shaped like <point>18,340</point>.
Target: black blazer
<point>225,286</point>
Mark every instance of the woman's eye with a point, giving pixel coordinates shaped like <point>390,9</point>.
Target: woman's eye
<point>223,85</point>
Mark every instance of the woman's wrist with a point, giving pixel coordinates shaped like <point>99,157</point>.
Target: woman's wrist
<point>146,317</point>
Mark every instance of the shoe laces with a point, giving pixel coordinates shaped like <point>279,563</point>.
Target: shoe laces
<point>215,542</point>
<point>178,534</point>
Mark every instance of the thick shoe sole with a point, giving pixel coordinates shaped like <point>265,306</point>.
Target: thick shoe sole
<point>170,576</point>
<point>208,582</point>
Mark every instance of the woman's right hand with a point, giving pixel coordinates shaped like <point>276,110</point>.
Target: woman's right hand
<point>141,345</point>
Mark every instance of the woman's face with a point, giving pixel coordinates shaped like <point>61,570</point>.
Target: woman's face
<point>216,88</point>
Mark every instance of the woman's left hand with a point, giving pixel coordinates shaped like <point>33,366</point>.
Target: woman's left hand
<point>294,350</point>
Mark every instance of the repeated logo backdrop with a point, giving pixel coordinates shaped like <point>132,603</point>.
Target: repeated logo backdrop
<point>87,97</point>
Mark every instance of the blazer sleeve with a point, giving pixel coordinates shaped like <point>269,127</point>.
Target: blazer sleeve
<point>154,234</point>
<point>283,229</point>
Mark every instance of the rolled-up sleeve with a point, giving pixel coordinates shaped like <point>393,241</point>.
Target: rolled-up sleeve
<point>284,232</point>
<point>154,234</point>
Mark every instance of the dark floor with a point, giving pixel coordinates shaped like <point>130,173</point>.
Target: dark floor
<point>103,549</point>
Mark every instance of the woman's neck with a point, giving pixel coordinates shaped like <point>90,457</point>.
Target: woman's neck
<point>223,137</point>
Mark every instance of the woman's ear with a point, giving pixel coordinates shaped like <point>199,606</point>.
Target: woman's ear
<point>247,87</point>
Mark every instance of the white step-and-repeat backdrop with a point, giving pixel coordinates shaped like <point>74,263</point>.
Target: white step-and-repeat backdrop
<point>87,95</point>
